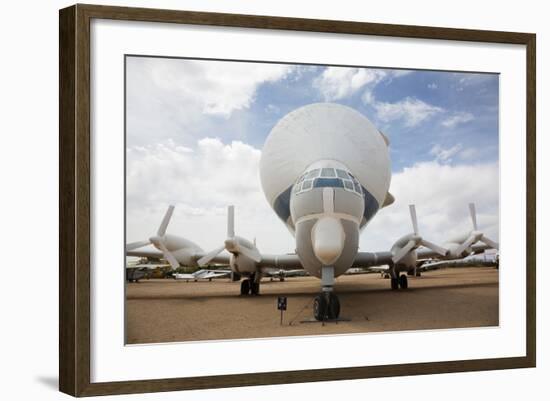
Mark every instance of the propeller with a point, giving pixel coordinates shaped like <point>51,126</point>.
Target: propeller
<point>134,245</point>
<point>159,240</point>
<point>415,240</point>
<point>233,243</point>
<point>475,235</point>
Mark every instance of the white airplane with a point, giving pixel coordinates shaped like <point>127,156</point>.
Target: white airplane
<point>325,171</point>
<point>282,274</point>
<point>202,274</point>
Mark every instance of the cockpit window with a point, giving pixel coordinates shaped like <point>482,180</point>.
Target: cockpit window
<point>328,182</point>
<point>313,173</point>
<point>328,177</point>
<point>328,172</point>
<point>342,174</point>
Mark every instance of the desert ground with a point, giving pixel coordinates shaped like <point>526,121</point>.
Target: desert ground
<point>166,310</point>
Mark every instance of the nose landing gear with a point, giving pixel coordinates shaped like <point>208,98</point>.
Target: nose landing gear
<point>326,306</point>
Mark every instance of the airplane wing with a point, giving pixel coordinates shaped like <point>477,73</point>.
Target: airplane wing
<point>274,272</point>
<point>157,255</point>
<point>370,259</point>
<point>429,254</point>
<point>221,259</point>
<point>282,262</point>
<point>203,274</point>
<point>213,274</point>
<point>150,254</point>
<point>291,261</point>
<point>184,276</point>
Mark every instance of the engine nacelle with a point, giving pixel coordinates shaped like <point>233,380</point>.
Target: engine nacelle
<point>242,264</point>
<point>453,254</point>
<point>410,259</point>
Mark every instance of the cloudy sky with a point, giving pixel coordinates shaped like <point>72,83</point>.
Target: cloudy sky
<point>195,130</point>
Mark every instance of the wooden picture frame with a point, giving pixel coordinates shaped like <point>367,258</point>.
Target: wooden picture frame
<point>75,207</point>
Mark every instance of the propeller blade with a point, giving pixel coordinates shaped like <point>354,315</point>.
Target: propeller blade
<point>412,210</point>
<point>138,244</point>
<point>436,248</point>
<point>473,215</point>
<point>168,256</point>
<point>230,221</point>
<point>403,251</point>
<point>250,253</point>
<point>489,242</point>
<point>164,224</point>
<point>209,256</point>
<point>465,245</point>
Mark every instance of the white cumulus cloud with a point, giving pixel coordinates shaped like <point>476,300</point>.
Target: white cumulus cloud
<point>456,119</point>
<point>170,98</point>
<point>220,87</point>
<point>201,183</point>
<point>340,82</point>
<point>411,110</point>
<point>441,194</point>
<point>445,155</point>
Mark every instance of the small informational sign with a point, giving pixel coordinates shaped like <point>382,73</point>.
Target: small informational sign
<point>281,305</point>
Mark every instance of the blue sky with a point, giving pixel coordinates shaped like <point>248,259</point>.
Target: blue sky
<point>471,99</point>
<point>443,127</point>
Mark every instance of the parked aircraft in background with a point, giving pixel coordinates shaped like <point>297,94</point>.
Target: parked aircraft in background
<point>202,274</point>
<point>325,194</point>
<point>282,274</point>
<point>136,272</point>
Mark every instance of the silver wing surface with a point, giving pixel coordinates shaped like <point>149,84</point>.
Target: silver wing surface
<point>149,254</point>
<point>429,254</point>
<point>282,262</point>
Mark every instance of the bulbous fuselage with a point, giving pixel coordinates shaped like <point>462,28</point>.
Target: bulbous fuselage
<point>325,170</point>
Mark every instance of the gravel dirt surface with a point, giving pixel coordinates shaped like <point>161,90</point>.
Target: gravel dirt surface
<point>166,310</point>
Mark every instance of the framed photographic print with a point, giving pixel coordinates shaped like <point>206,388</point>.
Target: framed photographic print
<point>234,185</point>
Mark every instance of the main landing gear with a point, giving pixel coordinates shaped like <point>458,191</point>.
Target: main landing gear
<point>415,272</point>
<point>399,282</point>
<point>250,286</point>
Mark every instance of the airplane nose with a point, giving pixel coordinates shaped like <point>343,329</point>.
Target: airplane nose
<point>328,239</point>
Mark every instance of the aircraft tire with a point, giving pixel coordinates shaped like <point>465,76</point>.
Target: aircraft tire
<point>403,282</point>
<point>320,307</point>
<point>333,307</point>
<point>394,283</point>
<point>254,288</point>
<point>245,287</point>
